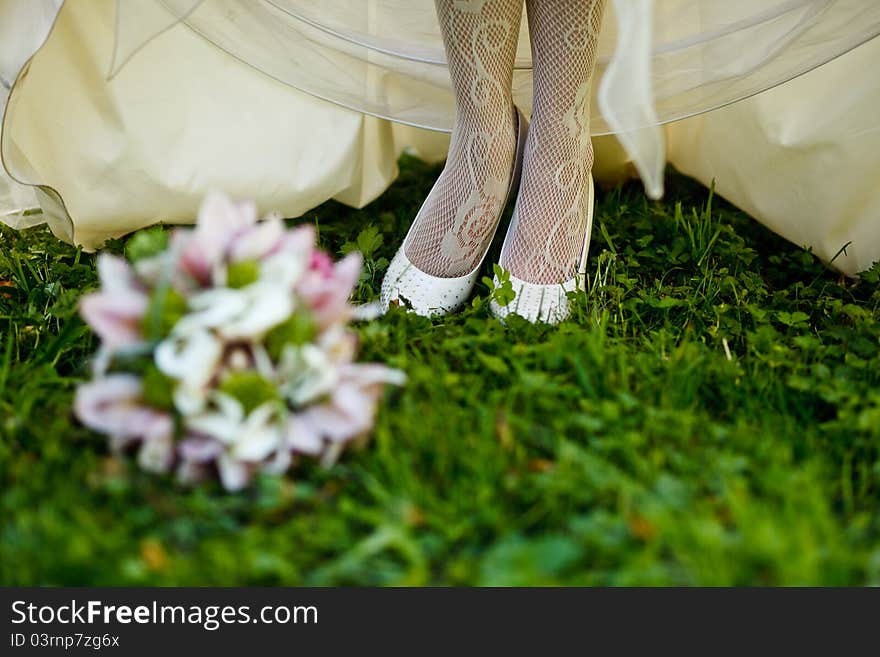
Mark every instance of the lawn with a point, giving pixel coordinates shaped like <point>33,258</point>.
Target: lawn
<point>710,415</point>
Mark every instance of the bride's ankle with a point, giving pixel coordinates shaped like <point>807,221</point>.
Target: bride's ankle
<point>550,223</point>
<point>460,215</point>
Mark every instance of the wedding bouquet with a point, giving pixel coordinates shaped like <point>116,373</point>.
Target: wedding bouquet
<point>228,349</point>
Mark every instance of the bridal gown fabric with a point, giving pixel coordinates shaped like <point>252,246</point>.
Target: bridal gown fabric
<point>23,27</point>
<point>131,111</point>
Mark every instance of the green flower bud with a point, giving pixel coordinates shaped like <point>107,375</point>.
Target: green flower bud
<point>158,389</point>
<point>146,243</point>
<point>166,306</point>
<point>250,389</point>
<point>300,328</point>
<point>241,274</point>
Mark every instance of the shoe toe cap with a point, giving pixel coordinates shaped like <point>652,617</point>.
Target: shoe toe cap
<point>425,294</point>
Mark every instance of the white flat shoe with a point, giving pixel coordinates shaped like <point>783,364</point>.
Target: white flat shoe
<point>546,303</point>
<point>434,295</point>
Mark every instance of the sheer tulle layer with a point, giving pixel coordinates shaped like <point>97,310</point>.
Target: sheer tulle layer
<point>386,57</point>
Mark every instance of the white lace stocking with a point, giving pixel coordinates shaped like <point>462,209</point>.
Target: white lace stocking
<point>547,235</point>
<point>461,213</point>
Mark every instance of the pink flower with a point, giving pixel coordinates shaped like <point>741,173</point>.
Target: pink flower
<point>303,436</point>
<point>299,241</point>
<point>227,231</point>
<point>351,408</point>
<point>219,226</point>
<point>258,241</point>
<point>327,288</point>
<point>116,310</point>
<point>322,263</point>
<point>112,405</point>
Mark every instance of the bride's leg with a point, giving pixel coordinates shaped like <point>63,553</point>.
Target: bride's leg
<point>547,237</point>
<point>460,215</point>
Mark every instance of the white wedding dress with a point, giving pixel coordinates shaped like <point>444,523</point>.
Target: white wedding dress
<point>132,109</point>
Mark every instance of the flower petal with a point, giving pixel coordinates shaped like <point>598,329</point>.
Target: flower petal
<point>115,274</point>
<point>200,450</point>
<point>116,310</point>
<point>157,454</point>
<point>212,308</point>
<point>306,373</point>
<point>302,436</point>
<point>216,426</point>
<point>204,249</point>
<point>269,306</point>
<point>279,464</point>
<point>258,242</point>
<point>372,374</point>
<point>192,359</point>
<point>105,404</point>
<point>190,472</point>
<point>328,297</point>
<point>299,242</point>
<point>115,317</point>
<point>261,435</point>
<point>234,475</point>
<point>332,423</point>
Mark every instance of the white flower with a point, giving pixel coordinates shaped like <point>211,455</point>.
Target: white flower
<point>249,312</point>
<point>247,440</point>
<point>305,373</point>
<point>309,372</point>
<point>192,360</point>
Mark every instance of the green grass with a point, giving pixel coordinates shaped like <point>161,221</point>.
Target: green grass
<point>711,415</point>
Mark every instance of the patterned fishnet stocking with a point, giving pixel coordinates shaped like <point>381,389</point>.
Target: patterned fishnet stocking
<point>547,235</point>
<point>461,213</point>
